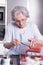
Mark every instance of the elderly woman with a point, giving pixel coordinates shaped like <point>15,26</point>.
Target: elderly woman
<point>21,33</point>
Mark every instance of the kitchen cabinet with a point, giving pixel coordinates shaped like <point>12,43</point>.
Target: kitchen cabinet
<point>3,18</point>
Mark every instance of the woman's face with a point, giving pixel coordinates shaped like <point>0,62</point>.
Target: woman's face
<point>20,20</point>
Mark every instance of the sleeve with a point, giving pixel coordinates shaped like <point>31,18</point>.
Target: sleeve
<point>8,34</point>
<point>37,33</point>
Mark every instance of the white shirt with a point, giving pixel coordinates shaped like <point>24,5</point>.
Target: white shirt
<point>13,32</point>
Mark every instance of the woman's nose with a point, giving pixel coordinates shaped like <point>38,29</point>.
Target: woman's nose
<point>21,23</point>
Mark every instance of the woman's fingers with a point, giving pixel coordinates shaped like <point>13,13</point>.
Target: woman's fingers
<point>16,42</point>
<point>33,42</point>
<point>30,39</point>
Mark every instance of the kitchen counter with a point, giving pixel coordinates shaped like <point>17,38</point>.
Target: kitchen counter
<point>24,60</point>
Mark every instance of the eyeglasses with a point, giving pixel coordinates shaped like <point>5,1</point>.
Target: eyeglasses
<point>22,20</point>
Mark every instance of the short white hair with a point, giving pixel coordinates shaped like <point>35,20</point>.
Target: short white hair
<point>19,9</point>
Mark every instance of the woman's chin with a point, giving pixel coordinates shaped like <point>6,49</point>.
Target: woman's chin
<point>21,26</point>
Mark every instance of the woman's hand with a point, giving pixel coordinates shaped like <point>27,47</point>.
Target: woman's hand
<point>34,43</point>
<point>16,42</point>
<point>11,44</point>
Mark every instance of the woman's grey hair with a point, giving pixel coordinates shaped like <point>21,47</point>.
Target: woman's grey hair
<point>19,9</point>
